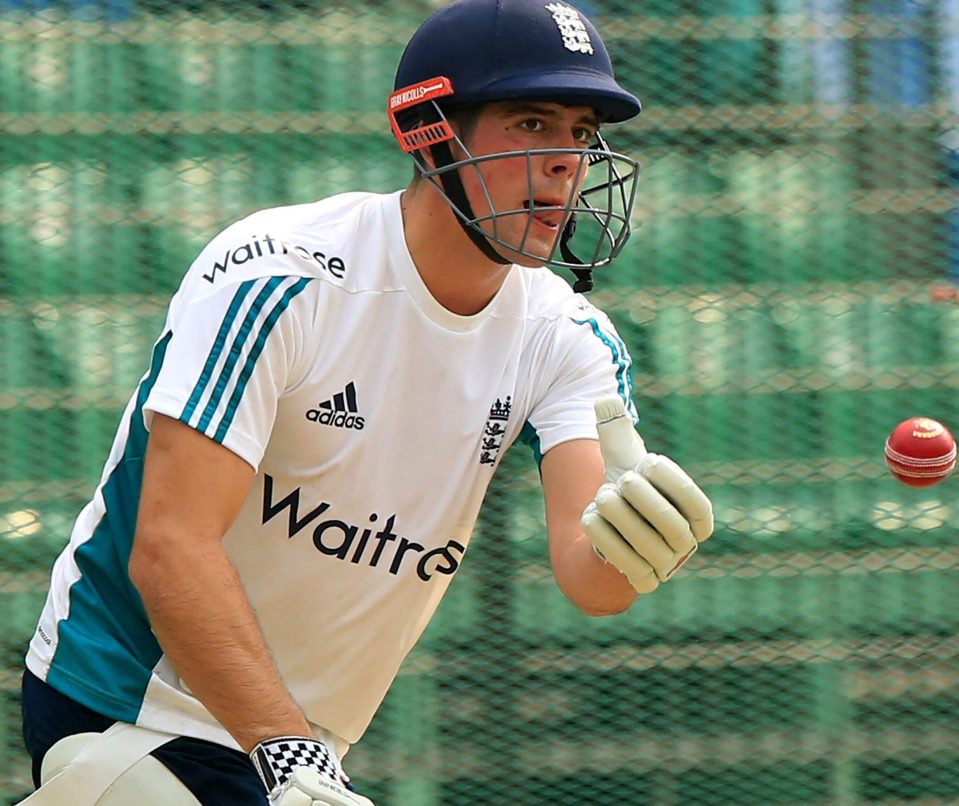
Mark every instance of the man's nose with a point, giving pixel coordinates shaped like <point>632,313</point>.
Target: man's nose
<point>563,164</point>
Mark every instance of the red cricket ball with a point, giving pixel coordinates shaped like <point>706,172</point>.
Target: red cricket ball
<point>920,452</point>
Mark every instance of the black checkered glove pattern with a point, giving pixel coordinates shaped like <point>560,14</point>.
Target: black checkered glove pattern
<point>275,760</point>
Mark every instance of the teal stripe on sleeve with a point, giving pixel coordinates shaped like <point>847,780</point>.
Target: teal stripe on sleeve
<point>106,650</point>
<point>620,358</point>
<point>215,351</point>
<point>235,350</point>
<point>624,351</point>
<point>250,365</point>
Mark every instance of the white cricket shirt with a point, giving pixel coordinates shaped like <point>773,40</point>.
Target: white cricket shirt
<point>304,340</point>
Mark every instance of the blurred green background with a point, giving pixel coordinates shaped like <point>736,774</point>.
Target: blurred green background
<point>788,297</point>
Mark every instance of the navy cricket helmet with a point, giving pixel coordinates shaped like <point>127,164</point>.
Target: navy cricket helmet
<point>498,50</point>
<point>473,52</point>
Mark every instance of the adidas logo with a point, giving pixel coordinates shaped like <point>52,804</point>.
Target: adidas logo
<point>339,411</point>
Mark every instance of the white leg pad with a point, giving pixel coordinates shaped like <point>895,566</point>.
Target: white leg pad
<point>62,753</point>
<point>71,765</point>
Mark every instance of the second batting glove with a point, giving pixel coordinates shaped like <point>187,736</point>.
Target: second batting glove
<point>649,517</point>
<point>301,771</point>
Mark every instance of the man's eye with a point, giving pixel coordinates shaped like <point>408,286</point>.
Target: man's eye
<point>532,124</point>
<point>584,135</point>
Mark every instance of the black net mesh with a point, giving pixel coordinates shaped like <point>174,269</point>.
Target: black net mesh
<point>788,297</point>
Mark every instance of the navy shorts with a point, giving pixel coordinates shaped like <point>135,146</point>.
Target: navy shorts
<point>216,775</point>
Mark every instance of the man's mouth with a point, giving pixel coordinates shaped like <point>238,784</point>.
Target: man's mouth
<point>547,212</point>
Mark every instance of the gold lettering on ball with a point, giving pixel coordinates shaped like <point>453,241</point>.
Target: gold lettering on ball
<point>927,429</point>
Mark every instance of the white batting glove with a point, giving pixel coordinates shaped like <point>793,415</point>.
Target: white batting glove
<point>301,771</point>
<point>649,517</point>
<point>305,787</point>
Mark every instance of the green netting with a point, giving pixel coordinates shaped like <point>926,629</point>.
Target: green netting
<point>787,299</point>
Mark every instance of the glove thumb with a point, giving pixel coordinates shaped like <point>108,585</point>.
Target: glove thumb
<point>621,445</point>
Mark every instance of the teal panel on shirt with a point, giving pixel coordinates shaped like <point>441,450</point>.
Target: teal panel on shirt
<point>106,650</point>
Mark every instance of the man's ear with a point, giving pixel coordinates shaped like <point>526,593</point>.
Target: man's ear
<point>427,158</point>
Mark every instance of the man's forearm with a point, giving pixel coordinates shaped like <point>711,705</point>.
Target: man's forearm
<point>203,620</point>
<point>595,587</point>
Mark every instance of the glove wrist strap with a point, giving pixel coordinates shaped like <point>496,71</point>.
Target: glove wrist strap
<point>275,760</point>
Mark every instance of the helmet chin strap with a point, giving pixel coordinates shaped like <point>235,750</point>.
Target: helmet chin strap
<point>584,276</point>
<point>453,186</point>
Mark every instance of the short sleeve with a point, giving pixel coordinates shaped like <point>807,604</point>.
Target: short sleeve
<point>231,354</point>
<point>591,362</point>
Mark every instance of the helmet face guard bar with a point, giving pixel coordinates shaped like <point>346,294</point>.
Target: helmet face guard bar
<point>596,214</point>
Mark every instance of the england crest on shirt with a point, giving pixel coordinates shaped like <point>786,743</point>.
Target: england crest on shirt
<point>495,430</point>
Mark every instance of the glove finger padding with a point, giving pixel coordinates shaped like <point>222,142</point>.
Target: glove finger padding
<point>684,494</point>
<point>636,527</point>
<point>610,545</point>
<point>655,513</point>
<point>659,512</point>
